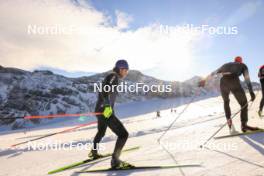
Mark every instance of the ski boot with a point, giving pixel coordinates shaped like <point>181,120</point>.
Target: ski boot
<point>118,164</point>
<point>246,128</point>
<point>94,154</point>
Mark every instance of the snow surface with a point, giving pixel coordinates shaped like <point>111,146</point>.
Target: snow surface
<point>200,120</point>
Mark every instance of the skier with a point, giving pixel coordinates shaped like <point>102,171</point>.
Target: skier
<point>158,114</point>
<point>261,77</point>
<point>230,83</point>
<point>105,104</point>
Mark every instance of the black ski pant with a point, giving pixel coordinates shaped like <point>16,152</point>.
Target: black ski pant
<point>116,126</point>
<point>262,100</point>
<point>232,84</point>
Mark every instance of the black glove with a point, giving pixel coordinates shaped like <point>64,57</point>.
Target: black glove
<point>253,96</point>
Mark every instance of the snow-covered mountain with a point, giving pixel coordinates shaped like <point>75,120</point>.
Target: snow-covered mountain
<point>42,92</point>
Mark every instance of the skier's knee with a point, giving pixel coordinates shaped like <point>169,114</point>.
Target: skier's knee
<point>100,134</point>
<point>103,134</point>
<point>123,135</point>
<point>244,104</point>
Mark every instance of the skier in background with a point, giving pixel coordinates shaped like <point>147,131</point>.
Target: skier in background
<point>230,83</point>
<point>105,104</point>
<point>158,113</point>
<point>261,77</point>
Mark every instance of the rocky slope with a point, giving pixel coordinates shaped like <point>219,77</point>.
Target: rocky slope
<point>42,92</point>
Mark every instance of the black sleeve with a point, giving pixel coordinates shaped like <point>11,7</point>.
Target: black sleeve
<point>247,78</point>
<point>110,81</point>
<point>219,70</point>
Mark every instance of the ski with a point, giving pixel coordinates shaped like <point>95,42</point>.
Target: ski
<point>89,160</point>
<point>239,134</point>
<point>139,168</point>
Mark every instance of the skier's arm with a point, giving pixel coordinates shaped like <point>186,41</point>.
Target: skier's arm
<point>108,87</point>
<point>214,73</point>
<point>210,76</point>
<point>247,80</point>
<point>109,81</point>
<point>221,70</point>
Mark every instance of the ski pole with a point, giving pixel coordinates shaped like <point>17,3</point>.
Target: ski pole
<point>159,139</point>
<point>11,118</point>
<point>52,134</point>
<point>53,116</point>
<point>201,146</point>
<point>62,115</point>
<point>186,107</point>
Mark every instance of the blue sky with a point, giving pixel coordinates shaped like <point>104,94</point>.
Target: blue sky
<point>248,43</point>
<point>115,29</point>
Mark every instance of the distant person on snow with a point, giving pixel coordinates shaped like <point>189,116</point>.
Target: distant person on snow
<point>158,113</point>
<point>261,77</point>
<point>105,104</point>
<point>230,83</point>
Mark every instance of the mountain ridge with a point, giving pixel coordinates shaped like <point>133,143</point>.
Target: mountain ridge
<point>41,92</point>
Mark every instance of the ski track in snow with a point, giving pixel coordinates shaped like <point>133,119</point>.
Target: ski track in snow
<point>198,123</point>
